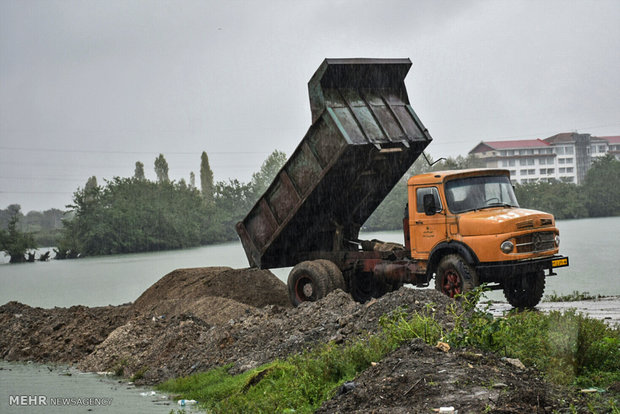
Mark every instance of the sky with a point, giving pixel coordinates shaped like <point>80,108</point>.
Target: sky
<point>89,87</point>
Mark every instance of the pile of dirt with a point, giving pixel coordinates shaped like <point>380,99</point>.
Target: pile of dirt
<point>59,335</point>
<point>420,378</point>
<point>160,348</point>
<point>180,290</point>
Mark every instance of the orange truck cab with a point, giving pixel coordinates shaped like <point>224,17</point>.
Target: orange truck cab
<point>466,228</point>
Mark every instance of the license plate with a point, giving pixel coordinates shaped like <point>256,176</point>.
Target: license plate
<point>559,262</point>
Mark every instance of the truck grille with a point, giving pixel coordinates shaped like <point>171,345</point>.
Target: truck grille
<point>536,242</point>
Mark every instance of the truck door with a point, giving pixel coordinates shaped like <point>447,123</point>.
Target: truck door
<point>427,230</point>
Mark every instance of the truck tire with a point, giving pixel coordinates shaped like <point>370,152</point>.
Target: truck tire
<point>308,281</point>
<point>525,291</point>
<point>455,276</point>
<point>334,274</point>
<point>364,286</point>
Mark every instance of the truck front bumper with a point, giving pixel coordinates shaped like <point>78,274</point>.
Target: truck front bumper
<point>500,271</point>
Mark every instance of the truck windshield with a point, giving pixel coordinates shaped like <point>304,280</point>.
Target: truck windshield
<point>475,193</point>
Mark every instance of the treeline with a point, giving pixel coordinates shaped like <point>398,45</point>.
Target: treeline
<point>45,226</point>
<point>598,196</point>
<point>127,215</point>
<point>136,215</point>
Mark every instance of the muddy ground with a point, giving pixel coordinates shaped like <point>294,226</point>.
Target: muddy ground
<point>195,319</point>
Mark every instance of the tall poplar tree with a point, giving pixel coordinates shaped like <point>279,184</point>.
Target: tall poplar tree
<point>161,169</point>
<point>207,186</point>
<point>139,171</point>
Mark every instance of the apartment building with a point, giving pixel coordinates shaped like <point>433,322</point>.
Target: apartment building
<point>566,156</point>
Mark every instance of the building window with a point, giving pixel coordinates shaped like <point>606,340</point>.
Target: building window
<point>569,150</point>
<point>513,172</point>
<point>504,163</point>
<point>531,172</point>
<point>569,170</point>
<point>559,150</point>
<point>522,161</point>
<point>511,163</point>
<point>569,160</point>
<point>561,160</point>
<point>562,170</point>
<point>530,161</point>
<point>523,172</point>
<point>550,170</point>
<point>511,152</point>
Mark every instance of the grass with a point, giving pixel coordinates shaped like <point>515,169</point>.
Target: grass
<point>575,296</point>
<point>567,347</point>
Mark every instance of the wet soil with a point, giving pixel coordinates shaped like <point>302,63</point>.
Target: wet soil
<point>195,319</point>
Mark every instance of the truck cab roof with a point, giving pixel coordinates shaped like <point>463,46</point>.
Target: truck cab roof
<point>437,177</point>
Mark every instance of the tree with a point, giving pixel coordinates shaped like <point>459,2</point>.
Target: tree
<point>130,215</point>
<point>601,187</point>
<point>161,169</point>
<point>13,242</point>
<point>268,170</point>
<point>233,200</point>
<point>206,179</point>
<point>139,171</point>
<point>192,179</point>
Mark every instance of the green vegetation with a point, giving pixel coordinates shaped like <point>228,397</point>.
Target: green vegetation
<point>129,215</point>
<point>44,227</point>
<point>14,242</point>
<point>571,297</point>
<point>568,348</point>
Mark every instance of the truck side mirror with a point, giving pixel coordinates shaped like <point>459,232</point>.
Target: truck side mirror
<point>429,204</point>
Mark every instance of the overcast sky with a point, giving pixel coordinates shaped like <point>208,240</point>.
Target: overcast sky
<point>90,87</point>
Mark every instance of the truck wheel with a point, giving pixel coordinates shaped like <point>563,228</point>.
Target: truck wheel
<point>455,276</point>
<point>334,274</point>
<point>525,291</point>
<point>364,286</point>
<point>308,281</point>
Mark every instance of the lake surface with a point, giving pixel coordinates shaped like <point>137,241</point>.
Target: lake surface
<point>90,392</point>
<point>591,244</point>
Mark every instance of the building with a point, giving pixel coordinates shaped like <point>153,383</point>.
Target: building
<point>565,157</point>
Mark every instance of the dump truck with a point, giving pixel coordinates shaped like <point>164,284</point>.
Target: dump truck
<point>462,228</point>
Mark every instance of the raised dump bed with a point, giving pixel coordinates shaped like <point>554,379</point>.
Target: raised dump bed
<point>363,138</point>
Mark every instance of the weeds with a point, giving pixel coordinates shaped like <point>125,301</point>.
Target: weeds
<point>568,348</point>
<point>575,296</point>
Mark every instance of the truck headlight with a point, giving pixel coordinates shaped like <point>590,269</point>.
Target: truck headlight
<point>507,246</point>
<point>557,240</point>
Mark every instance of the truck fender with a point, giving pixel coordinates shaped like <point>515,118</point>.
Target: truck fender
<point>450,247</point>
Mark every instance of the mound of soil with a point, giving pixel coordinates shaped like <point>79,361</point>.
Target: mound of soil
<point>252,287</point>
<point>161,348</point>
<point>420,378</point>
<point>59,335</point>
<point>196,319</point>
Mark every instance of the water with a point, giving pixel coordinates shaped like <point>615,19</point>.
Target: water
<point>46,383</point>
<point>591,244</point>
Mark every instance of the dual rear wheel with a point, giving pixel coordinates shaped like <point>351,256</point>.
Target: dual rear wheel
<point>313,280</point>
